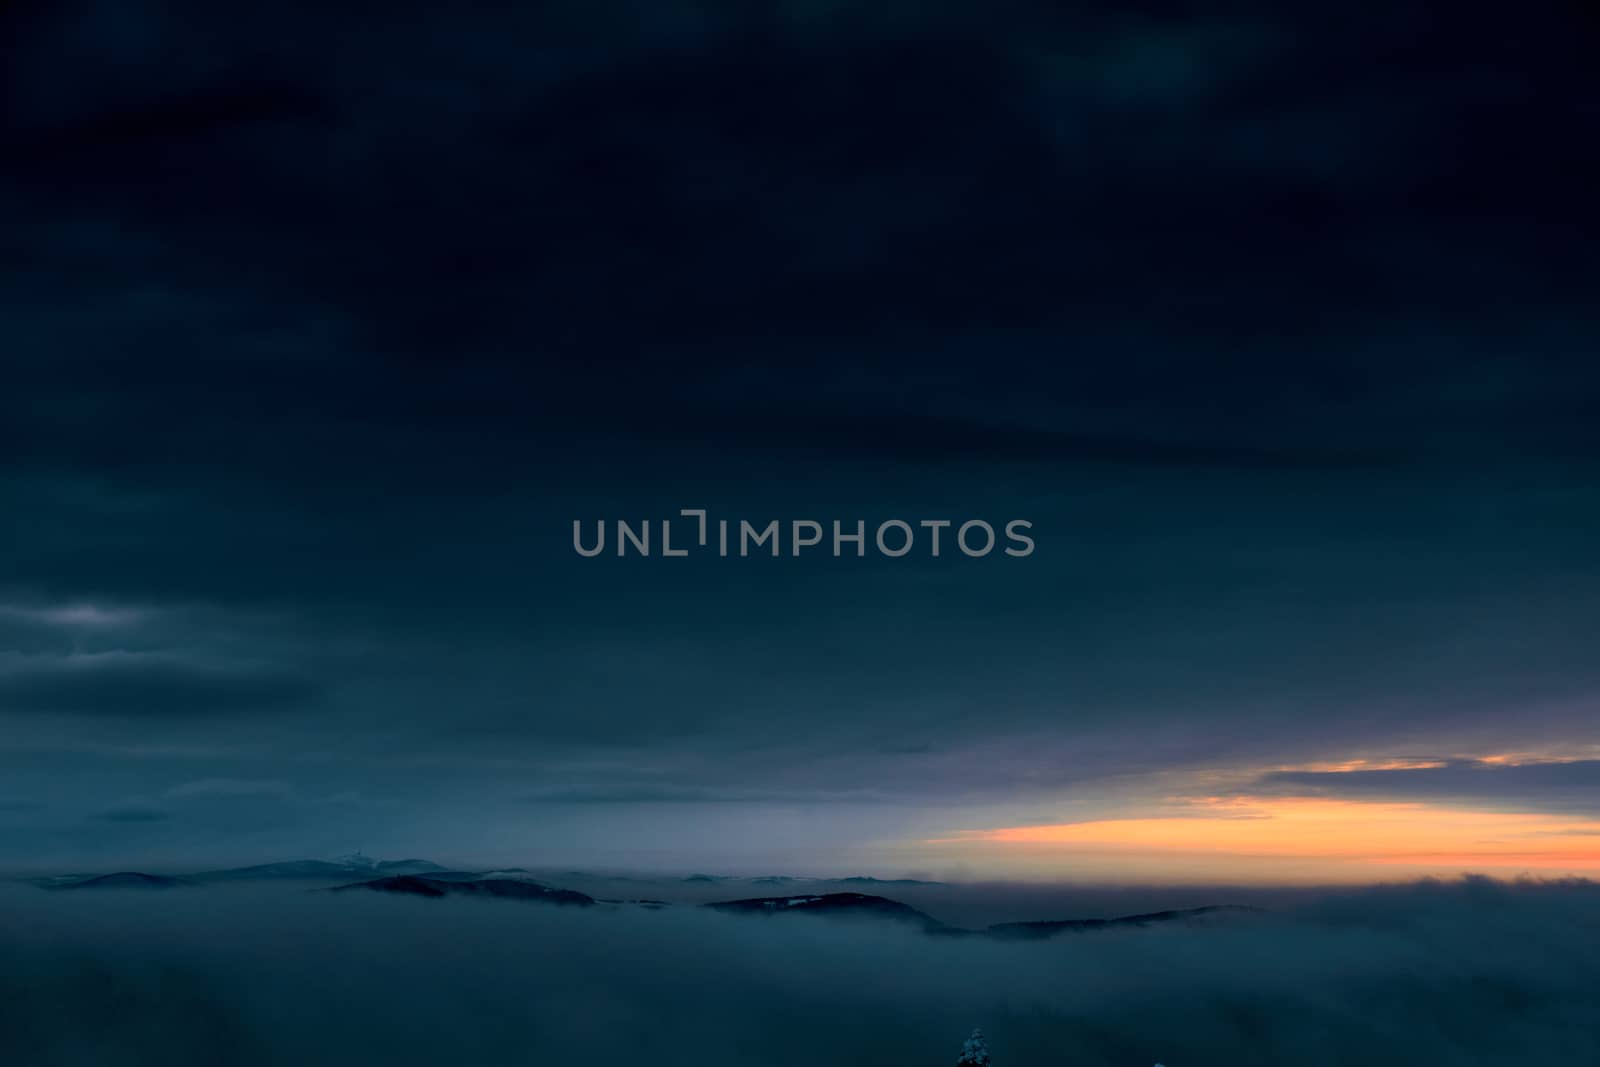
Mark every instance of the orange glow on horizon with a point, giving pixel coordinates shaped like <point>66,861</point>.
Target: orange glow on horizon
<point>1328,832</point>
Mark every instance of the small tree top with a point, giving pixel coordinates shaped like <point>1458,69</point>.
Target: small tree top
<point>975,1053</point>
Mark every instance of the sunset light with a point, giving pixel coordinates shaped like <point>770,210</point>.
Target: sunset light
<point>1344,834</point>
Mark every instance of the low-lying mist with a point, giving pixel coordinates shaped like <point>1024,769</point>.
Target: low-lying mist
<point>1473,972</point>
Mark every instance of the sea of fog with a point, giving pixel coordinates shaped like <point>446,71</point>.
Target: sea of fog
<point>1469,973</point>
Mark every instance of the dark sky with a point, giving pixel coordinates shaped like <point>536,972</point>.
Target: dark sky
<point>320,327</point>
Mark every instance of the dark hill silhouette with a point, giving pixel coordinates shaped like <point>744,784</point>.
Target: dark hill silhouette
<point>861,881</point>
<point>866,906</point>
<point>834,905</point>
<point>509,874</point>
<point>287,870</point>
<point>505,888</point>
<point>123,880</point>
<point>1039,930</point>
<point>312,870</point>
<point>410,866</point>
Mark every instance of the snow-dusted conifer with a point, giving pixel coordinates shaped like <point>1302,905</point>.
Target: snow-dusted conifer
<point>975,1053</point>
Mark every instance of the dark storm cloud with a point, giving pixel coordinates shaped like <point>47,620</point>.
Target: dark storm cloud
<point>1565,786</point>
<point>321,329</point>
<point>919,193</point>
<point>148,685</point>
<point>133,813</point>
<point>931,438</point>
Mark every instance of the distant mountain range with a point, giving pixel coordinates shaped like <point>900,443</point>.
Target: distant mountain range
<point>796,880</point>
<point>867,906</point>
<point>1038,931</point>
<point>507,888</point>
<point>836,905</point>
<point>858,879</point>
<point>292,870</point>
<point>120,880</point>
<point>424,878</point>
<point>318,869</point>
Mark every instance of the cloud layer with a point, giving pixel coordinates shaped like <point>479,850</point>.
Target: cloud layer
<point>1477,973</point>
<point>319,334</point>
